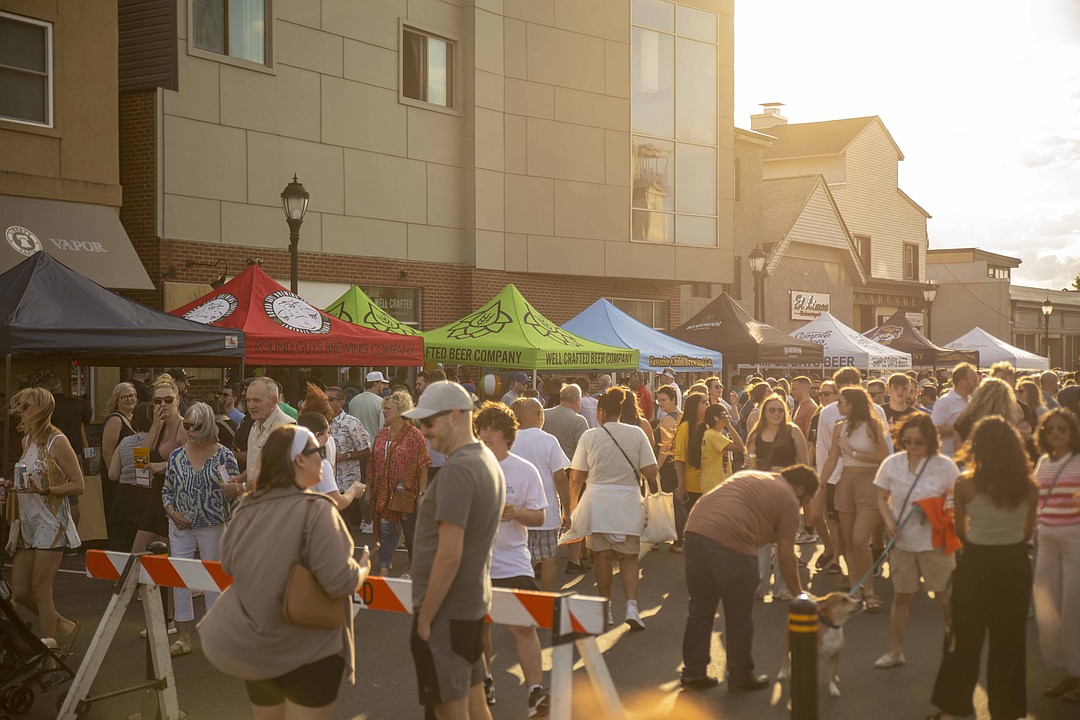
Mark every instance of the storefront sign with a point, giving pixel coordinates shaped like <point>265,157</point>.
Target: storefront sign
<point>808,305</point>
<point>887,299</point>
<point>401,303</point>
<point>916,319</point>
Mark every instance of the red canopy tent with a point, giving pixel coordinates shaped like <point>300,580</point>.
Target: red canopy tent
<point>284,329</point>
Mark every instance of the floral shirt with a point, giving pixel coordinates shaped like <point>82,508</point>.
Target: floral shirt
<point>396,462</point>
<point>197,493</point>
<point>350,436</point>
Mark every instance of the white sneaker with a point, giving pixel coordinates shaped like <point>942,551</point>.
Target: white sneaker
<point>610,618</point>
<point>633,619</point>
<point>366,528</point>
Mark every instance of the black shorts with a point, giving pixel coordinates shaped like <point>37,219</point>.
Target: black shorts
<point>518,582</point>
<point>314,685</point>
<point>451,662</point>
<point>830,502</point>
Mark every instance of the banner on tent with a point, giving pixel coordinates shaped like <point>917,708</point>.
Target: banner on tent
<point>678,361</point>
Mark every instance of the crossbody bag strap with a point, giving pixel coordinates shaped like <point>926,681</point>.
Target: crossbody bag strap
<point>1050,491</point>
<point>912,488</point>
<point>629,462</point>
<point>304,531</point>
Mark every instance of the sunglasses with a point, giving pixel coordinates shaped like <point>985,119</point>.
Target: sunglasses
<point>166,400</point>
<point>191,426</point>
<point>430,420</point>
<point>320,451</point>
<point>774,410</point>
<point>913,442</point>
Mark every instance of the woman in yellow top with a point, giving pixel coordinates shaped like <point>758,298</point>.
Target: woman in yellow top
<point>717,448</point>
<point>688,438</point>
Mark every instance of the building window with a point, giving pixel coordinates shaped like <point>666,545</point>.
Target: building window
<point>863,246</point>
<point>26,70</point>
<point>911,262</point>
<point>674,110</point>
<point>650,312</point>
<point>996,272</point>
<point>427,67</point>
<point>236,28</point>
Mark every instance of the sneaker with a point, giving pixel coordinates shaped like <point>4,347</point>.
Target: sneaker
<point>888,660</point>
<point>366,528</point>
<point>404,576</point>
<point>633,618</point>
<point>610,619</point>
<point>489,690</point>
<point>750,684</point>
<point>701,683</point>
<point>806,537</point>
<point>575,568</point>
<point>539,702</point>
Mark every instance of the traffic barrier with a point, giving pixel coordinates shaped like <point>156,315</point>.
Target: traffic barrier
<point>803,641</point>
<point>575,620</point>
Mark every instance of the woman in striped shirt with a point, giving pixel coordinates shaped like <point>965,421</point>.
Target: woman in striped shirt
<point>1057,570</point>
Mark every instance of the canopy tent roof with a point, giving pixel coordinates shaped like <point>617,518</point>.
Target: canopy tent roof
<point>508,332</point>
<point>284,329</point>
<point>992,350</point>
<point>898,333</point>
<point>845,346</point>
<point>357,308</point>
<point>49,310</point>
<point>604,323</point>
<point>723,325</point>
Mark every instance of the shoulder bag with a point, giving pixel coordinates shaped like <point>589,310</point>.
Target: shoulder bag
<point>658,506</point>
<point>401,500</point>
<point>306,603</point>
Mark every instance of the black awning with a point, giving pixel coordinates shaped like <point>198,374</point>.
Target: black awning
<point>87,238</point>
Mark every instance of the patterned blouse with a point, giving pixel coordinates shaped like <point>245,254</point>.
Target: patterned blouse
<point>394,462</point>
<point>197,493</point>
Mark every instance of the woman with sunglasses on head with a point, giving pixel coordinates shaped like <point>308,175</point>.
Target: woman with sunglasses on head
<point>860,440</point>
<point>917,472</point>
<point>131,493</point>
<point>46,529</point>
<point>291,670</point>
<point>196,507</point>
<point>166,434</point>
<point>778,443</point>
<point>116,427</point>
<point>996,504</point>
<point>1057,565</point>
<point>399,462</point>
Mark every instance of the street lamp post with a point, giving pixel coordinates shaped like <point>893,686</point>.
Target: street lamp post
<point>929,294</point>
<point>294,201</point>
<point>757,266</point>
<point>1047,311</point>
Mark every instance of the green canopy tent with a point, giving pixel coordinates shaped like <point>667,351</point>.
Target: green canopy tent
<point>508,332</point>
<point>357,308</point>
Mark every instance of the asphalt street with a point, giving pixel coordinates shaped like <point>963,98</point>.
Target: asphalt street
<point>645,665</point>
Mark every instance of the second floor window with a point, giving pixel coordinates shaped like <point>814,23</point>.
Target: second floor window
<point>427,68</point>
<point>649,312</point>
<point>911,262</point>
<point>997,273</point>
<point>236,28</point>
<point>862,245</point>
<point>25,70</point>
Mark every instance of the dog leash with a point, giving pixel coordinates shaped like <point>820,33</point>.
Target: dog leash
<point>884,553</point>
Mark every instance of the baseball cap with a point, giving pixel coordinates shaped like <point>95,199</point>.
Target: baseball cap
<point>177,374</point>
<point>667,372</point>
<point>440,397</point>
<point>375,376</point>
<point>520,377</point>
<point>927,382</point>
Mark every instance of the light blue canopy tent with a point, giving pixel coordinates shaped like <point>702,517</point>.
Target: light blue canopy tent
<point>604,323</point>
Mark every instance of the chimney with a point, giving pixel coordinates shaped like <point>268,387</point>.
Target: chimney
<point>770,116</point>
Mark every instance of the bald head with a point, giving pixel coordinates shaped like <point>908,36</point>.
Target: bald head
<point>529,412</point>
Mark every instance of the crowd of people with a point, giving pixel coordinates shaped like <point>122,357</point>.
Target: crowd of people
<point>928,473</point>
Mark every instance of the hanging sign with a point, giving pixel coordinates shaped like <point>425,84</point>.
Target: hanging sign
<point>808,305</point>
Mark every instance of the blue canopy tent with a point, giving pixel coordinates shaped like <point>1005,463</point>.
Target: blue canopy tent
<point>604,323</point>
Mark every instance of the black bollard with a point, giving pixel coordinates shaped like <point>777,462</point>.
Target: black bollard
<point>802,636</point>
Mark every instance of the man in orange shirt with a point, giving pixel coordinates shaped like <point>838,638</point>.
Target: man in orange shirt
<point>644,397</point>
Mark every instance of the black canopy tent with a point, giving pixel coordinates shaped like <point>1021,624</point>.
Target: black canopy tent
<point>898,333</point>
<point>48,310</point>
<point>723,325</point>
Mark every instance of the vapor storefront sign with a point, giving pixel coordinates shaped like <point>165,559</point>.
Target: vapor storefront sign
<point>87,238</point>
<point>508,332</point>
<point>284,329</point>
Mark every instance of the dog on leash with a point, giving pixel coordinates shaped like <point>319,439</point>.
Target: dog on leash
<point>834,610</point>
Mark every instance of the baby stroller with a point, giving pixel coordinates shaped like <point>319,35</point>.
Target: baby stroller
<point>22,656</point>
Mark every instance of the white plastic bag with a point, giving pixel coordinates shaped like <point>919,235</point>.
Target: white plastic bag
<point>659,519</point>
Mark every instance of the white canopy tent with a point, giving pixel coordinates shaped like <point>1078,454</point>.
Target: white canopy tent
<point>845,346</point>
<point>992,350</point>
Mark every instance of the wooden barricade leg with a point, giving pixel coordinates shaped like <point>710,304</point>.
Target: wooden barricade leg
<point>158,634</point>
<point>601,678</point>
<point>562,681</point>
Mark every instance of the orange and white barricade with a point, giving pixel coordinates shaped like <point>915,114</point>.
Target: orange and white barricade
<point>575,621</point>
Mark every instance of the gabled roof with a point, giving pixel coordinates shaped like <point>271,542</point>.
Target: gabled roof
<point>829,137</point>
<point>783,201</point>
<point>914,204</point>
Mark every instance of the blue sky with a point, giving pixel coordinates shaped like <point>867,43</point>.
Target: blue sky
<point>982,97</point>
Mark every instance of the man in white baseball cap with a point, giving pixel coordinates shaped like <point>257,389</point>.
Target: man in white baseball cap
<point>456,523</point>
<point>367,406</point>
<point>667,377</point>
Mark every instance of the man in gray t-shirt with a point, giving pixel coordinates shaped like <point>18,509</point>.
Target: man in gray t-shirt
<point>456,524</point>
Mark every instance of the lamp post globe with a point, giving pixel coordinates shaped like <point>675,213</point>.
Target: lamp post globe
<point>1047,311</point>
<point>757,266</point>
<point>929,294</point>
<point>294,203</point>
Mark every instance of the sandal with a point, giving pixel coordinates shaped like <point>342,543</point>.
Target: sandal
<point>1061,687</point>
<point>180,647</point>
<point>871,603</point>
<point>677,549</point>
<point>64,641</point>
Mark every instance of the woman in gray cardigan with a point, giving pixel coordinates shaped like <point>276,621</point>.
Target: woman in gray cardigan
<point>291,671</point>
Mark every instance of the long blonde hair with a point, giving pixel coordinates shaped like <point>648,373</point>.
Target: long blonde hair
<point>993,397</point>
<point>113,405</point>
<point>36,426</point>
